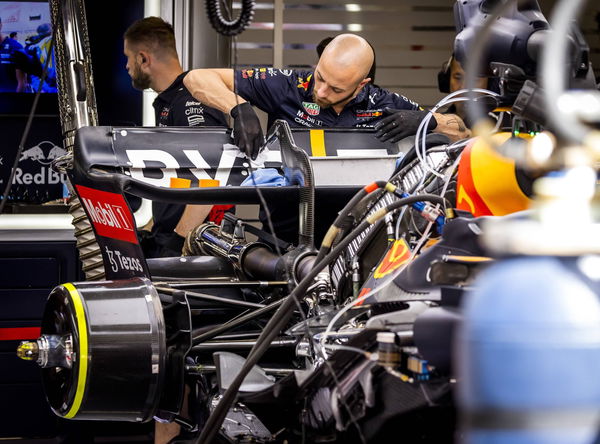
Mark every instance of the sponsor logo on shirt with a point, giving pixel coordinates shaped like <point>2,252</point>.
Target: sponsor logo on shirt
<point>195,120</point>
<point>368,113</point>
<point>194,114</point>
<point>165,112</point>
<point>304,119</point>
<point>272,72</point>
<point>286,72</point>
<point>192,103</point>
<point>118,261</point>
<point>194,110</point>
<point>258,73</point>
<point>311,108</point>
<point>304,84</point>
<point>109,213</point>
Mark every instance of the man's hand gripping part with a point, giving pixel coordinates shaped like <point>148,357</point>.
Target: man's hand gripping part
<point>247,132</point>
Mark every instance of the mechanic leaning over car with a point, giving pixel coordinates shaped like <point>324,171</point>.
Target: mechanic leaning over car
<point>152,62</point>
<point>337,94</point>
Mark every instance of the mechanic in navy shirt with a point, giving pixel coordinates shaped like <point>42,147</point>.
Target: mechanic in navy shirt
<point>152,62</point>
<point>336,94</point>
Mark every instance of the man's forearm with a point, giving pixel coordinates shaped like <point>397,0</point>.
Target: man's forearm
<point>192,216</point>
<point>452,126</point>
<point>213,87</point>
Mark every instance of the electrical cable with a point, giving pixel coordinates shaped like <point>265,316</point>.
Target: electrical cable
<point>367,355</point>
<point>405,209</point>
<point>25,134</point>
<point>283,314</point>
<point>422,155</point>
<point>422,130</point>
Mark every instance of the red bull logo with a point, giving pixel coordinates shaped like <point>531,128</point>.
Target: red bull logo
<point>35,164</point>
<point>33,153</point>
<point>304,84</point>
<point>397,255</point>
<point>36,153</point>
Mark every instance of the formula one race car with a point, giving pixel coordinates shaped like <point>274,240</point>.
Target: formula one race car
<point>338,344</point>
<point>250,339</point>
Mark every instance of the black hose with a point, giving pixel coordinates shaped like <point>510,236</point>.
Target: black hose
<point>284,313</point>
<point>336,226</point>
<point>229,27</point>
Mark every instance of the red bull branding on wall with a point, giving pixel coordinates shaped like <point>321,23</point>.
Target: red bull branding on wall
<point>34,181</point>
<point>44,153</point>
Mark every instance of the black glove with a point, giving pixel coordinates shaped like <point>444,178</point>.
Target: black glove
<point>247,132</point>
<point>401,123</point>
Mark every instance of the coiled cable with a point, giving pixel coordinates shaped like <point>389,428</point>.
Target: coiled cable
<point>229,27</point>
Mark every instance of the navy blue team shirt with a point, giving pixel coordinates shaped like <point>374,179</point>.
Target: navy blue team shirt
<point>288,94</point>
<point>175,106</point>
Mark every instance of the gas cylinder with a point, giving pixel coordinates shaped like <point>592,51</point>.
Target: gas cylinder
<point>528,353</point>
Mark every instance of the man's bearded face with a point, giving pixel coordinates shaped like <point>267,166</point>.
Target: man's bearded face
<point>139,79</point>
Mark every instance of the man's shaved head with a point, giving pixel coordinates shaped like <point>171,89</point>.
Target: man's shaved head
<point>342,71</point>
<point>349,51</point>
